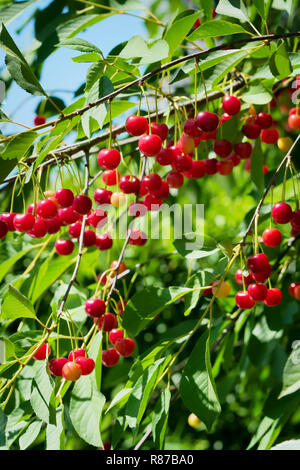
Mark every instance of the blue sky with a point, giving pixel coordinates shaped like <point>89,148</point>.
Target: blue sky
<point>59,71</point>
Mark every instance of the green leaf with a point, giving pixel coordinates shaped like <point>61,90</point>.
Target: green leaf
<point>16,305</point>
<point>283,5</point>
<point>257,94</point>
<point>160,418</point>
<point>79,45</point>
<point>257,166</point>
<point>86,406</point>
<point>178,31</point>
<point>146,304</point>
<point>120,398</point>
<point>95,352</point>
<point>117,108</point>
<point>8,264</point>
<point>6,167</point>
<point>55,434</point>
<point>43,393</point>
<point>3,422</point>
<point>233,9</point>
<point>10,12</point>
<point>95,71</point>
<point>30,435</point>
<point>279,63</point>
<point>17,147</point>
<point>291,373</point>
<point>197,385</point>
<point>207,6</point>
<point>135,47</point>
<point>157,51</point>
<point>292,444</point>
<point>194,246</point>
<point>88,57</point>
<point>214,28</point>
<point>100,89</point>
<point>260,5</point>
<point>128,5</point>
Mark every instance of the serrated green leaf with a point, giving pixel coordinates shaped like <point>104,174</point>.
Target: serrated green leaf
<point>16,305</point>
<point>279,63</point>
<point>17,147</point>
<point>160,418</point>
<point>79,45</point>
<point>55,434</point>
<point>178,31</point>
<point>11,12</point>
<point>233,9</point>
<point>214,28</point>
<point>194,246</point>
<point>257,94</point>
<point>30,435</point>
<point>43,393</point>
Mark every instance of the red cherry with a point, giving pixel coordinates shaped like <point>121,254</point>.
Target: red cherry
<point>97,219</point>
<point>53,225</point>
<point>108,320</point>
<point>110,357</point>
<point>121,269</point>
<point>152,203</point>
<point>294,121</point>
<point>210,166</point>
<point>110,177</point>
<point>263,275</point>
<point>197,171</point>
<point>82,204</point>
<point>186,144</point>
<point>162,192</point>
<point>56,365</point>
<point>23,222</point>
<point>152,182</point>
<point>39,229</point>
<point>269,136</point>
<point>251,130</point>
<point>297,292</point>
<point>102,196</point>
<point>295,220</point>
<point>46,209</point>
<point>137,209</point>
<point>136,125</point>
<point>225,117</point>
<point>120,306</point>
<point>64,197</point>
<point>104,242</point>
<point>159,129</point>
<point>197,23</point>
<point>258,263</point>
<point>175,179</point>
<point>271,237</point>
<point>3,229</point>
<point>81,352</point>
<point>71,371</point>
<point>273,298</point>
<point>282,213</point>
<point>165,156</point>
<point>114,335</point>
<point>95,307</point>
<point>74,230</point>
<point>239,278</point>
<point>102,278</point>
<point>243,300</point>
<point>109,159</point>
<point>225,167</point>
<point>67,216</point>
<point>150,145</point>
<point>137,238</point>
<point>231,105</point>
<point>125,346</point>
<point>190,128</point>
<point>89,238</point>
<point>8,218</point>
<point>129,184</point>
<point>294,111</point>
<point>292,287</point>
<point>264,120</point>
<point>182,163</point>
<point>39,120</point>
<point>222,148</point>
<point>235,159</point>
<point>87,364</point>
<point>206,121</point>
<point>257,292</point>
<point>243,149</point>
<point>64,247</point>
<point>42,352</point>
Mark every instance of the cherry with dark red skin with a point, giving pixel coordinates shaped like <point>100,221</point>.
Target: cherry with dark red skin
<point>125,346</point>
<point>143,190</point>
<point>39,120</point>
<point>46,209</point>
<point>150,145</point>
<point>182,163</point>
<point>3,229</point>
<point>271,237</point>
<point>138,238</point>
<point>42,352</point>
<point>197,171</point>
<point>243,300</point>
<point>114,335</point>
<point>231,105</point>
<point>269,136</point>
<point>258,263</point>
<point>210,166</point>
<point>8,218</point>
<point>120,306</point>
<point>225,117</point>
<point>106,322</point>
<point>222,148</point>
<point>190,128</point>
<point>234,158</point>
<point>81,352</point>
<point>129,184</point>
<point>64,247</point>
<point>111,177</point>
<point>102,196</point>
<point>87,364</point>
<point>282,213</point>
<point>56,365</point>
<point>67,216</point>
<point>264,120</point>
<point>64,197</point>
<point>263,275</point>
<point>89,238</point>
<point>162,192</point>
<point>175,179</point>
<point>160,129</point>
<point>251,130</point>
<point>104,241</point>
<point>225,167</point>
<point>239,278</point>
<point>109,159</point>
<point>23,222</point>
<point>206,121</point>
<point>102,278</point>
<point>243,149</point>
<point>137,209</point>
<point>39,229</point>
<point>97,219</point>
<point>257,292</point>
<point>110,357</point>
<point>82,204</point>
<point>71,371</point>
<point>53,225</point>
<point>75,230</point>
<point>152,203</point>
<point>136,125</point>
<point>273,298</point>
<point>152,182</point>
<point>95,307</point>
<point>295,220</point>
<point>165,156</point>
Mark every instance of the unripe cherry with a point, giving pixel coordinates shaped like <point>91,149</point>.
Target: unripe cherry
<point>186,144</point>
<point>221,290</point>
<point>110,357</point>
<point>150,145</point>
<point>294,121</point>
<point>121,269</point>
<point>231,105</point>
<point>118,199</point>
<point>71,371</point>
